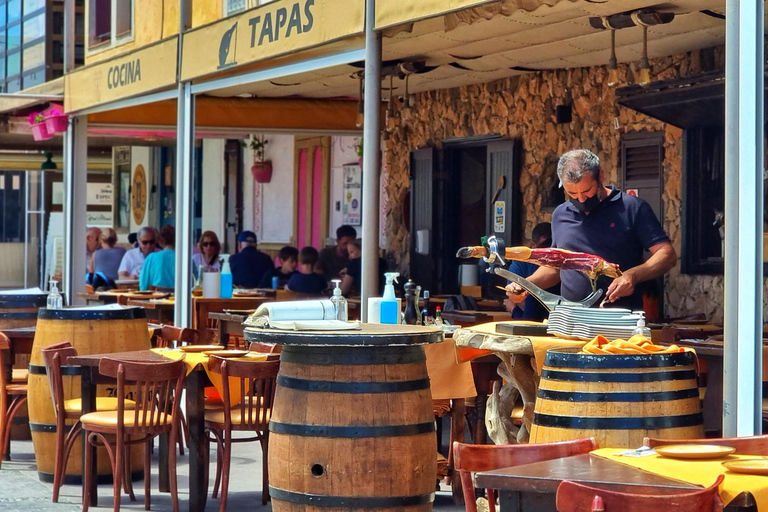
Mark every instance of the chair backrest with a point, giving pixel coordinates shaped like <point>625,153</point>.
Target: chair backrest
<point>460,303</point>
<point>265,348</point>
<point>155,387</point>
<point>470,458</point>
<point>53,355</point>
<point>182,335</point>
<point>5,352</point>
<point>576,497</point>
<point>752,445</point>
<point>257,381</point>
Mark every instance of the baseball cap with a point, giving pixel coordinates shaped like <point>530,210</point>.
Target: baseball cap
<point>247,236</point>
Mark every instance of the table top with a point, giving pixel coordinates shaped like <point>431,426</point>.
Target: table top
<point>144,356</point>
<point>369,335</point>
<point>151,304</point>
<point>227,317</point>
<point>588,469</point>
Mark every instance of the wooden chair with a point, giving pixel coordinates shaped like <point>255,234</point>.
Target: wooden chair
<point>181,335</point>
<point>752,445</point>
<point>157,390</point>
<point>576,497</point>
<point>13,395</point>
<point>67,410</point>
<point>257,382</point>
<point>264,348</point>
<point>470,458</point>
<point>161,289</point>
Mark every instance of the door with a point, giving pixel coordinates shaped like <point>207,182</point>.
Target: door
<point>233,194</point>
<point>422,250</point>
<point>312,171</point>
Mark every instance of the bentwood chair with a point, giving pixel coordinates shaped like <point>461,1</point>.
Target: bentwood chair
<point>13,395</point>
<point>156,389</point>
<point>576,497</point>
<point>180,335</point>
<point>751,445</point>
<point>471,458</point>
<point>256,381</point>
<point>68,410</point>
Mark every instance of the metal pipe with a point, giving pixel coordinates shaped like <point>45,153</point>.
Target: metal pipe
<point>371,157</point>
<point>75,185</point>
<point>185,146</point>
<point>69,36</point>
<point>24,96</point>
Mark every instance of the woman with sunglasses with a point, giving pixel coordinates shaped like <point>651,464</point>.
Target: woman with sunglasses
<point>208,256</point>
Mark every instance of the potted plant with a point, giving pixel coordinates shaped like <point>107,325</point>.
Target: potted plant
<point>55,121</point>
<point>37,123</point>
<point>359,150</point>
<point>261,169</point>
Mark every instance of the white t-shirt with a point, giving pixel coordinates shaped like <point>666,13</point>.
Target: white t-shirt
<point>132,262</point>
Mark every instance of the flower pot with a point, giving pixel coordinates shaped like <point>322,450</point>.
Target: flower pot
<point>56,123</point>
<point>262,171</point>
<point>360,163</point>
<point>40,132</point>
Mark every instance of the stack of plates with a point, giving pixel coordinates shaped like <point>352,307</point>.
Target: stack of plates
<point>586,323</point>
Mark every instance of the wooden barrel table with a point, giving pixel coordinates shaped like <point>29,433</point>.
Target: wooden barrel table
<point>90,330</point>
<point>352,425</point>
<point>19,311</point>
<point>618,399</point>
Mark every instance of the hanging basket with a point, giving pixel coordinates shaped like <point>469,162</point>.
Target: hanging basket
<point>40,132</point>
<point>56,123</point>
<point>262,171</point>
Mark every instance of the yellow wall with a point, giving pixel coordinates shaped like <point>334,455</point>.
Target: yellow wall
<point>206,11</point>
<point>153,20</point>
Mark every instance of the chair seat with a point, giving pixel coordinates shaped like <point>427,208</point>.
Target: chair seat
<point>19,375</point>
<point>217,416</point>
<point>16,389</point>
<point>103,403</point>
<point>109,419</point>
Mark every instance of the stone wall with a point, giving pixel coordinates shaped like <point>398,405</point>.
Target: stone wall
<point>523,107</point>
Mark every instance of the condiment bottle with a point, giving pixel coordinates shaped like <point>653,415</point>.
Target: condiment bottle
<point>339,302</point>
<point>411,308</point>
<point>225,285</point>
<point>438,316</point>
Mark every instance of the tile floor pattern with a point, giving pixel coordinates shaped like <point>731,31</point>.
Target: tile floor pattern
<point>22,491</point>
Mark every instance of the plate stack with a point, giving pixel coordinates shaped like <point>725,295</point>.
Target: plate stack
<point>586,323</point>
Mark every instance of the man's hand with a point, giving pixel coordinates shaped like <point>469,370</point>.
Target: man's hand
<point>620,287</point>
<point>516,293</point>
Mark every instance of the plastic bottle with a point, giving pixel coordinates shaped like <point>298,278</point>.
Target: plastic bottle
<point>199,281</point>
<point>275,282</point>
<point>339,302</point>
<point>425,310</point>
<point>390,310</point>
<point>55,300</point>
<point>438,316</point>
<point>411,306</point>
<point>641,329</point>
<point>226,280</point>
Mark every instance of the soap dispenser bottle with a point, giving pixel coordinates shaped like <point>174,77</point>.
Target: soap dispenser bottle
<point>641,329</point>
<point>226,280</point>
<point>390,307</point>
<point>55,300</point>
<point>339,302</point>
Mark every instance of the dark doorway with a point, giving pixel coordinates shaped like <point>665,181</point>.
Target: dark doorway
<point>233,191</point>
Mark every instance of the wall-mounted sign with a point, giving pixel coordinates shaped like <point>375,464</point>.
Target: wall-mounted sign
<point>134,73</point>
<point>100,194</point>
<point>99,219</point>
<point>499,216</point>
<point>391,13</point>
<point>139,194</point>
<point>277,28</point>
<point>351,209</point>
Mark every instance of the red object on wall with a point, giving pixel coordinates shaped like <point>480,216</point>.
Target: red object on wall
<point>262,171</point>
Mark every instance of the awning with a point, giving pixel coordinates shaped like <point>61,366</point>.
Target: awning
<point>52,90</point>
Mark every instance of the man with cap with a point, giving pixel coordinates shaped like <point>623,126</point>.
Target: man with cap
<point>249,264</point>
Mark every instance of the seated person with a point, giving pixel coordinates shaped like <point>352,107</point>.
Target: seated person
<point>306,280</point>
<point>289,259</point>
<point>352,280</point>
<point>133,260</point>
<point>333,260</point>
<point>208,257</point>
<point>105,262</point>
<point>159,269</point>
<point>249,264</point>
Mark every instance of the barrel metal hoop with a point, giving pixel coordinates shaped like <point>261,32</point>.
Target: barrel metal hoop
<point>47,427</point>
<point>350,502</point>
<point>618,423</point>
<point>327,356</point>
<point>66,370</point>
<point>617,377</point>
<point>329,386</point>
<point>24,315</point>
<point>656,396</point>
<point>294,429</point>
<point>124,313</point>
<point>23,301</point>
<point>570,359</point>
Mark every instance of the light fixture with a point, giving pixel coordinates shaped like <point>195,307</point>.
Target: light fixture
<point>644,73</point>
<point>390,121</point>
<point>360,109</point>
<point>49,164</point>
<point>613,67</point>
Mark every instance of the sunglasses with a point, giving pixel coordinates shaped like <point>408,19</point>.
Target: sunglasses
<point>147,242</point>
<point>208,244</point>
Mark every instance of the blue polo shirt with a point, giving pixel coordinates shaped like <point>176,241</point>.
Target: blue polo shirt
<point>618,230</point>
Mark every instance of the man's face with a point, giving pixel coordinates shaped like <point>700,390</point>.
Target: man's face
<point>353,251</point>
<point>341,246</point>
<point>92,240</point>
<point>147,243</point>
<point>583,190</point>
<point>289,265</point>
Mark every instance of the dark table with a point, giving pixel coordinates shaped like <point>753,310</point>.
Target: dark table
<point>229,324</point>
<point>534,486</point>
<point>161,312</point>
<point>195,409</point>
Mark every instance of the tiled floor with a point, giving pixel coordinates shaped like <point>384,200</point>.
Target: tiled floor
<point>22,491</point>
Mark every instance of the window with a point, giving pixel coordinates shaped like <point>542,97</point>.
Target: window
<point>110,22</point>
<point>34,78</point>
<point>14,36</point>
<point>34,28</point>
<point>34,56</point>
<point>14,63</point>
<point>234,6</point>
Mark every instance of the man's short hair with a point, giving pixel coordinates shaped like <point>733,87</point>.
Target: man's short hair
<point>248,237</point>
<point>168,235</point>
<point>147,230</point>
<point>288,253</point>
<point>308,255</point>
<point>577,163</point>
<point>345,230</point>
<point>542,230</point>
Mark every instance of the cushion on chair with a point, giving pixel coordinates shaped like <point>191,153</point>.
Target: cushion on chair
<point>109,418</point>
<point>217,416</point>
<point>103,403</point>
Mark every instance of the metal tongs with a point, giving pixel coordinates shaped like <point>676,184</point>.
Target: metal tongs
<point>495,249</point>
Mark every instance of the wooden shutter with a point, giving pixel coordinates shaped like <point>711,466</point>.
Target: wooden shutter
<point>502,162</point>
<point>642,155</point>
<point>422,211</point>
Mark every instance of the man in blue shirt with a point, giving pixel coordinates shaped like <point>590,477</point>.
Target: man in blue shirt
<point>249,264</point>
<point>608,223</point>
